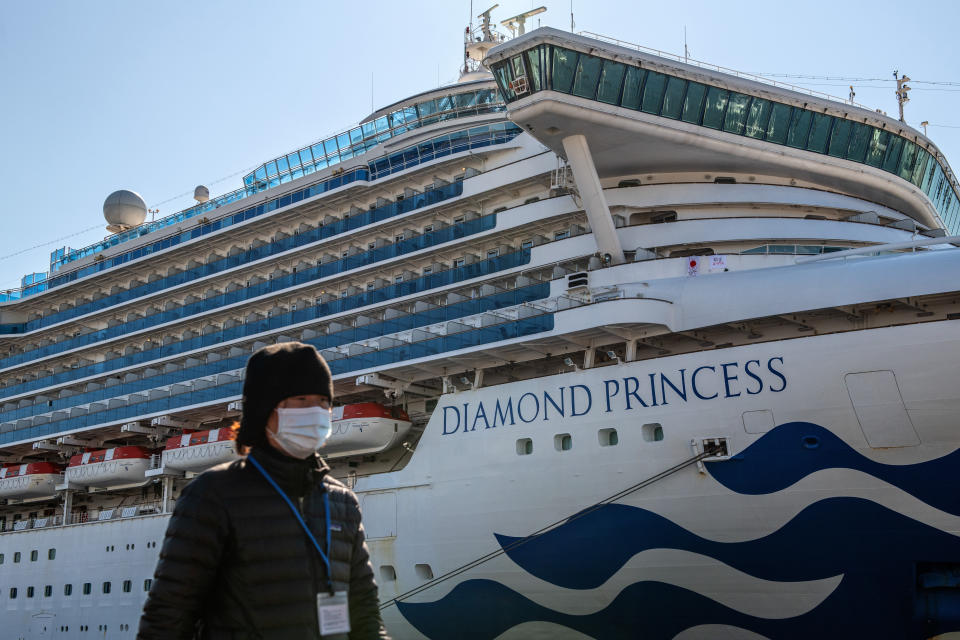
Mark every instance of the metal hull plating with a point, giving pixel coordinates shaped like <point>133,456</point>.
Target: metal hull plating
<point>804,527</point>
<point>778,539</point>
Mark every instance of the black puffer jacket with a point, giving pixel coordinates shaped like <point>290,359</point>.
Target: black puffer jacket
<point>236,564</point>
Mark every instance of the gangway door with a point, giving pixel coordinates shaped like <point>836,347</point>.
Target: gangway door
<point>879,407</point>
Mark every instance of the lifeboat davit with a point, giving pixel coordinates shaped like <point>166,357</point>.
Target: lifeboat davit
<point>109,467</point>
<point>365,428</point>
<point>31,480</point>
<point>200,450</point>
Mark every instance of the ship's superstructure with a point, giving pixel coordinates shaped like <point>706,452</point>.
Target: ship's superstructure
<point>535,288</point>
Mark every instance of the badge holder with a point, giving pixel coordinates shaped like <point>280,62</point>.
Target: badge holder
<point>333,613</point>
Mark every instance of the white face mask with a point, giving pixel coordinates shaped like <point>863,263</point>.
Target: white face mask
<point>300,432</point>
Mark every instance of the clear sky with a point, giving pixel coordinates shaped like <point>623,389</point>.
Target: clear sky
<point>158,97</point>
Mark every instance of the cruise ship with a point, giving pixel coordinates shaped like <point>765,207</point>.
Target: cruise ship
<point>624,345</point>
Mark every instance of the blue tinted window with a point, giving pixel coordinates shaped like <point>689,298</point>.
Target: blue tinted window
<point>330,146</point>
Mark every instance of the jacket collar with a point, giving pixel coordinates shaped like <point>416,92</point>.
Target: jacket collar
<point>295,476</point>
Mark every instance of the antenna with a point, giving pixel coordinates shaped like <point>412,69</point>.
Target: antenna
<point>571,16</point>
<point>902,89</point>
<point>485,23</point>
<point>925,124</point>
<point>852,94</point>
<point>686,50</point>
<point>518,24</point>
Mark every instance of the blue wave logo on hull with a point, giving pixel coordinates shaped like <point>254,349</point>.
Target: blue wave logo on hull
<point>876,549</point>
<point>794,450</point>
<point>899,575</point>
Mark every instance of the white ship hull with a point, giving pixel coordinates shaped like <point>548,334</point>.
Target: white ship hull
<point>716,536</point>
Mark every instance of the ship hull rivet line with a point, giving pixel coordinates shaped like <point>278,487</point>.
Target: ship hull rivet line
<point>594,202</point>
<point>536,534</point>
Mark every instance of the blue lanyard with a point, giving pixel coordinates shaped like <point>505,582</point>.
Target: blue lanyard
<point>296,513</point>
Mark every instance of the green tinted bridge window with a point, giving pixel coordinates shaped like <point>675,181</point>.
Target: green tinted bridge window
<point>653,92</point>
<point>673,97</point>
<point>610,80</point>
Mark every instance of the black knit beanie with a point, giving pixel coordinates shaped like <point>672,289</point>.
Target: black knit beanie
<point>275,373</point>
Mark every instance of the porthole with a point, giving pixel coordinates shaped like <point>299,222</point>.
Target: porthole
<point>563,442</point>
<point>423,571</point>
<point>87,588</point>
<point>106,587</point>
<point>51,554</point>
<point>67,589</point>
<point>29,592</point>
<point>652,432</point>
<point>16,556</point>
<point>127,586</point>
<point>34,555</point>
<point>387,573</point>
<point>608,437</point>
<point>147,584</point>
<point>524,446</point>
<point>13,592</point>
<point>48,591</point>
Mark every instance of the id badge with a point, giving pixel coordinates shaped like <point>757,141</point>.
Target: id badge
<point>333,613</point>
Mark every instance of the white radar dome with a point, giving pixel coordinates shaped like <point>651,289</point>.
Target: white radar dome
<point>124,210</point>
<point>201,194</point>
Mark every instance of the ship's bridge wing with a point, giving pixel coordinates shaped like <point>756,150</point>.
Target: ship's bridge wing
<point>641,113</point>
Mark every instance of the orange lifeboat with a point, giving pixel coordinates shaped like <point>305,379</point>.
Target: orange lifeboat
<point>365,428</point>
<point>115,467</point>
<point>200,450</point>
<point>31,480</point>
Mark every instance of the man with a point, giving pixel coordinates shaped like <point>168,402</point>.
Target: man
<point>269,546</point>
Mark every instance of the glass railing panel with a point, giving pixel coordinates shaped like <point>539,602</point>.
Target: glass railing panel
<point>319,311</point>
<point>270,286</point>
<point>434,346</point>
<point>436,195</point>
